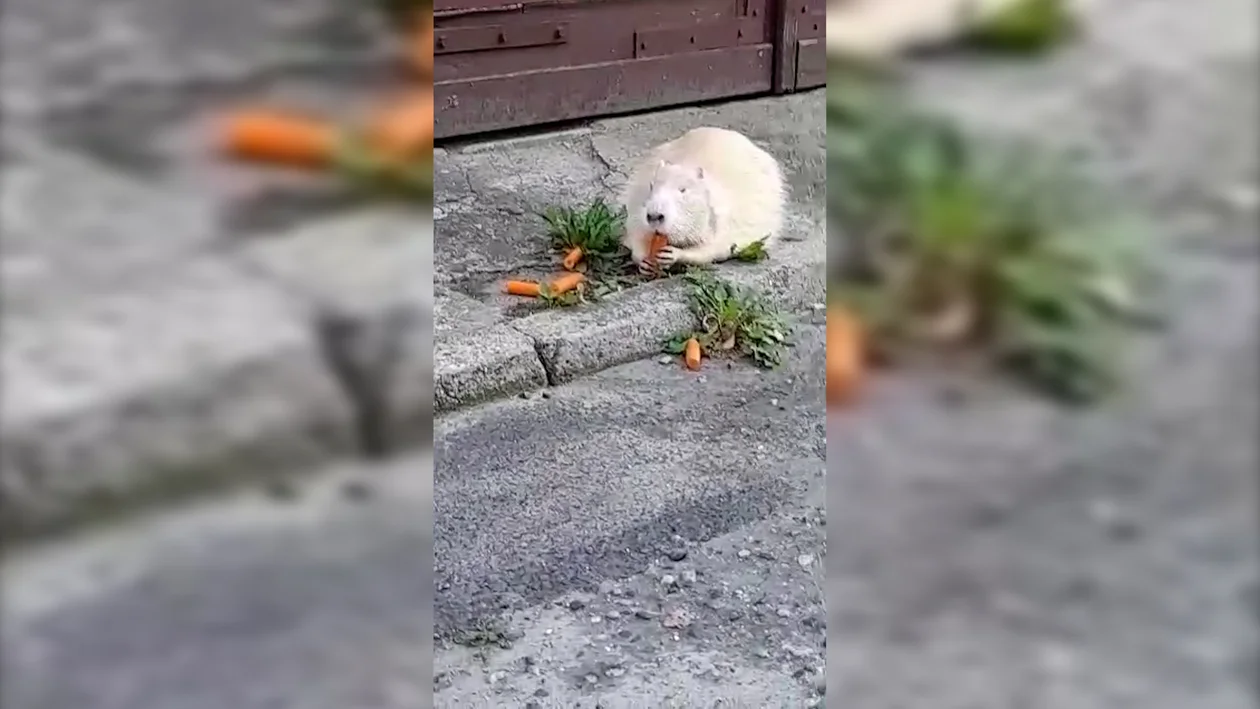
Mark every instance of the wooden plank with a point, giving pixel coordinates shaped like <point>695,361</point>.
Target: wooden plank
<point>811,64</point>
<point>468,106</point>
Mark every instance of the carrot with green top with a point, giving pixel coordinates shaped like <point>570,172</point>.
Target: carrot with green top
<point>402,129</point>
<point>526,288</point>
<point>572,258</point>
<point>565,283</point>
<point>278,137</point>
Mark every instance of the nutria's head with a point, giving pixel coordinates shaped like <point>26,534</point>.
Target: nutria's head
<point>678,203</point>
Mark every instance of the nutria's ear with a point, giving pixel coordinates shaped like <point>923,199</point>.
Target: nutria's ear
<point>699,172</point>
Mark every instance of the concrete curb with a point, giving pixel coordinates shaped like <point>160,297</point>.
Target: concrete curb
<point>557,346</point>
<point>203,375</point>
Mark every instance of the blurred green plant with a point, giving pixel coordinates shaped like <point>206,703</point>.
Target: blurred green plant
<point>1025,27</point>
<point>991,245</point>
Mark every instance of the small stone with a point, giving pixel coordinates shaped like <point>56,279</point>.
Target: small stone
<point>283,490</point>
<point>668,580</point>
<point>541,692</point>
<point>614,672</point>
<point>676,618</point>
<point>523,395</point>
<point>356,490</point>
<point>762,653</point>
<point>597,618</point>
<point>591,679</point>
<point>576,604</point>
<point>784,612</point>
<point>798,652</point>
<point>612,615</point>
<point>774,402</point>
<point>665,359</point>
<point>805,560</point>
<point>546,395</point>
<point>532,705</point>
<point>689,577</point>
<point>744,553</point>
<point>678,555</point>
<point>1114,520</point>
<point>644,614</point>
<point>497,677</point>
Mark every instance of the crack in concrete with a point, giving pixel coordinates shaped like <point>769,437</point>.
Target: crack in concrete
<point>363,356</point>
<point>603,162</point>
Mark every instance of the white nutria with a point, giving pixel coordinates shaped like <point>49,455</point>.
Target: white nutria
<point>709,192</point>
<point>881,30</point>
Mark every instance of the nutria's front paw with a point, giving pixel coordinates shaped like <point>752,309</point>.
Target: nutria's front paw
<point>646,268</point>
<point>667,256</point>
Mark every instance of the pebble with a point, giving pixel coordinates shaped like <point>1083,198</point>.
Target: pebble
<point>798,652</point>
<point>644,614</point>
<point>356,490</point>
<point>576,605</point>
<point>744,553</point>
<point>612,615</point>
<point>689,577</point>
<point>678,555</point>
<point>784,613</point>
<point>591,679</point>
<point>668,580</point>
<point>805,560</point>
<point>665,359</point>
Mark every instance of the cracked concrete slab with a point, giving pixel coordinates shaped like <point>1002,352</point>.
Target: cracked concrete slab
<point>173,320</point>
<point>488,196</point>
<point>191,376</point>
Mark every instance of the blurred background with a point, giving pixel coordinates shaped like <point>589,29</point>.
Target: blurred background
<point>274,435</point>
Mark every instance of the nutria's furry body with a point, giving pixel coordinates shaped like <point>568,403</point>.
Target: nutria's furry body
<point>709,192</point>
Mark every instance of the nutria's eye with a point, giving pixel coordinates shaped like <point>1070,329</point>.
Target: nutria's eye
<point>682,189</point>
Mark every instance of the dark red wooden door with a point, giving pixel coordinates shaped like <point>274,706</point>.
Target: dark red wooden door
<point>801,61</point>
<point>501,64</point>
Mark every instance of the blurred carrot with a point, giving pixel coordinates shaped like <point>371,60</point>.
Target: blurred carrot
<point>691,354</point>
<point>273,136</point>
<point>572,258</point>
<point>420,46</point>
<point>846,356</point>
<point>565,283</point>
<point>403,129</point>
<point>527,288</point>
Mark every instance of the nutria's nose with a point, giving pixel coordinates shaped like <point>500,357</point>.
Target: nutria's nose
<point>655,218</point>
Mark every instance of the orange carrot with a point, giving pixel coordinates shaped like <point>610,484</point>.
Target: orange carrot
<point>403,128</point>
<point>420,46</point>
<point>571,259</point>
<point>565,283</point>
<point>527,288</point>
<point>846,357</point>
<point>273,136</point>
<point>656,242</point>
<point>691,354</point>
